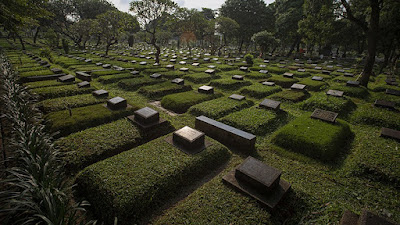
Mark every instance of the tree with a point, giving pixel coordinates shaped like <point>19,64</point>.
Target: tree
<point>150,14</point>
<point>90,9</point>
<point>251,15</point>
<point>265,40</point>
<point>83,30</point>
<point>227,27</point>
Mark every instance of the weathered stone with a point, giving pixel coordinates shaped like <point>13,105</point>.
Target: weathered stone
<point>66,78</point>
<point>237,77</point>
<point>301,70</point>
<point>324,115</point>
<point>390,133</point>
<point>348,75</point>
<point>107,66</point>
<point>340,71</point>
<point>83,76</point>
<point>100,93</point>
<point>244,68</point>
<point>117,103</point>
<point>288,75</point>
<point>211,66</point>
<point>83,84</point>
<point>268,83</point>
<point>189,138</point>
<point>318,68</point>
<point>99,64</point>
<point>178,81</point>
<point>384,104</point>
<point>135,72</point>
<point>182,63</point>
<point>316,78</point>
<point>237,97</point>
<point>170,67</point>
<point>335,93</point>
<point>147,116</point>
<point>196,64</point>
<point>56,70</point>
<point>184,69</point>
<point>143,63</point>
<point>327,72</point>
<point>263,71</point>
<point>352,83</point>
<point>270,104</point>
<point>392,92</point>
<point>206,89</point>
<point>298,87</point>
<point>210,71</point>
<point>156,76</point>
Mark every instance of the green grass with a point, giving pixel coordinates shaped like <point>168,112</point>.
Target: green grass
<point>314,138</point>
<point>36,73</point>
<point>277,70</point>
<point>229,83</point>
<point>114,78</point>
<point>181,102</point>
<point>137,181</point>
<point>57,104</point>
<point>135,83</point>
<point>255,120</point>
<point>343,106</point>
<point>358,92</point>
<point>289,95</point>
<point>100,73</point>
<point>198,78</point>
<point>283,81</point>
<point>219,107</point>
<point>82,118</point>
<point>375,116</point>
<point>61,91</point>
<point>258,90</point>
<point>300,74</point>
<point>162,89</point>
<point>313,85</point>
<point>45,83</point>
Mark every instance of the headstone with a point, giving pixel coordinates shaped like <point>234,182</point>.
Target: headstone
<point>348,75</point>
<point>244,68</point>
<point>117,103</point>
<point>88,60</point>
<point>178,81</point>
<point>147,116</point>
<point>100,93</point>
<point>206,59</point>
<point>210,71</point>
<point>83,84</point>
<point>392,92</point>
<point>135,72</point>
<point>298,87</point>
<point>316,78</point>
<point>384,104</point>
<point>324,115</point>
<point>352,83</point>
<point>83,76</point>
<point>270,104</point>
<point>189,138</point>
<point>143,63</point>
<point>301,70</point>
<point>156,76</point>
<point>335,93</point>
<point>326,72</point>
<point>267,83</point>
<point>107,66</point>
<point>99,64</point>
<point>237,77</point>
<point>237,97</point>
<point>211,66</point>
<point>262,66</point>
<point>182,62</point>
<point>318,68</point>
<point>390,133</point>
<point>66,78</point>
<point>340,71</point>
<point>196,64</point>
<point>173,60</point>
<point>184,69</point>
<point>206,89</point>
<point>266,61</point>
<point>288,75</point>
<point>263,71</point>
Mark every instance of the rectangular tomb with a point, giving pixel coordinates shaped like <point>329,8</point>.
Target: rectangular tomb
<point>117,103</point>
<point>324,115</point>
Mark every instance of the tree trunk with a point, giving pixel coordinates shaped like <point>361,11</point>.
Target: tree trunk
<point>36,34</point>
<point>240,46</point>
<point>297,40</point>
<point>98,40</point>
<point>107,47</point>
<point>372,43</point>
<point>21,41</point>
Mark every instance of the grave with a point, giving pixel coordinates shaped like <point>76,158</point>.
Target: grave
<point>340,71</point>
<point>146,118</point>
<point>267,83</point>
<point>133,61</point>
<point>143,63</point>
<point>170,67</point>
<point>263,71</point>
<point>298,87</point>
<point>99,64</point>
<point>117,103</point>
<point>237,97</point>
<point>206,59</point>
<point>262,66</point>
<point>366,218</point>
<point>107,66</point>
<point>56,70</point>
<point>206,89</point>
<point>178,81</point>
<point>135,72</point>
<point>210,71</point>
<point>390,133</point>
<point>384,104</point>
<point>237,77</point>
<point>259,180</point>
<point>266,61</point>
<point>392,92</point>
<point>244,68</point>
<point>66,78</point>
<point>352,83</point>
<point>211,66</point>
<point>189,140</point>
<point>348,75</point>
<point>184,69</point>
<point>88,60</point>
<point>270,104</point>
<point>335,93</point>
<point>156,76</point>
<point>182,63</point>
<point>196,64</point>
<point>326,72</point>
<point>288,75</point>
<point>324,115</point>
<point>316,78</point>
<point>83,84</point>
<point>301,70</point>
<point>100,93</point>
<point>83,76</point>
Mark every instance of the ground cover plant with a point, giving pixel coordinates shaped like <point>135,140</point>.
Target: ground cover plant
<point>371,115</point>
<point>135,83</point>
<point>312,85</point>
<point>47,83</point>
<point>258,90</point>
<point>162,89</point>
<point>114,78</point>
<point>289,95</point>
<point>61,91</point>
<point>358,92</point>
<point>181,102</point>
<point>63,103</point>
<point>343,106</point>
<point>283,81</point>
<point>219,107</point>
<point>229,83</point>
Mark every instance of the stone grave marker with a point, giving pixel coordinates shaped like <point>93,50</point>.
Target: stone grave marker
<point>270,104</point>
<point>244,68</point>
<point>324,115</point>
<point>384,104</point>
<point>184,69</point>
<point>206,59</point>
<point>263,66</point>
<point>348,75</point>
<point>237,77</point>
<point>133,61</point>
<point>107,66</point>
<point>173,60</point>
<point>352,83</point>
<point>196,64</point>
<point>56,70</point>
<point>288,75</point>
<point>100,93</point>
<point>266,61</point>
<point>182,63</point>
<point>83,76</point>
<point>135,72</point>
<point>156,76</point>
<point>146,116</point>
<point>99,64</point>
<point>189,138</point>
<point>392,92</point>
<point>143,63</point>
<point>340,71</point>
<point>88,60</point>
<point>298,87</point>
<point>316,78</point>
<point>326,72</point>
<point>237,97</point>
<point>263,71</point>
<point>178,81</point>
<point>206,89</point>
<point>83,84</point>
<point>210,71</point>
<point>117,103</point>
<point>335,93</point>
<point>211,66</point>
<point>301,70</point>
<point>390,133</point>
<point>318,68</point>
<point>66,78</point>
<point>268,83</point>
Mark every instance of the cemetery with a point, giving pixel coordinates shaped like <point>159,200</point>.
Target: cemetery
<point>243,124</point>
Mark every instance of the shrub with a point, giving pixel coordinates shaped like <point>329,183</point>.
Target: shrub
<point>322,101</point>
<point>160,90</point>
<point>135,83</point>
<point>61,91</point>
<point>260,91</point>
<point>249,59</point>
<point>289,95</point>
<point>313,137</point>
<point>181,102</point>
<point>57,104</point>
<point>229,83</point>
<point>219,107</point>
<point>375,116</point>
<point>133,183</point>
<point>82,118</point>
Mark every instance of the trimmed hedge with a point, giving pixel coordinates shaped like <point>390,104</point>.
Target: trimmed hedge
<point>229,83</point>
<point>289,95</point>
<point>255,120</point>
<point>160,90</point>
<point>82,118</point>
<point>322,101</point>
<point>313,137</point>
<point>61,91</point>
<point>134,183</point>
<point>181,102</point>
<point>283,81</point>
<point>219,107</point>
<point>375,116</point>
<point>89,146</point>
<point>57,104</point>
<point>260,91</point>
<point>135,83</point>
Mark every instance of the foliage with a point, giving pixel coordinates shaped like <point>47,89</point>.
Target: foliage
<point>265,40</point>
<point>375,116</point>
<point>60,91</point>
<point>135,83</point>
<point>358,92</point>
<point>249,59</point>
<point>229,83</point>
<point>284,82</point>
<point>58,104</point>
<point>163,89</point>
<point>322,101</point>
<point>289,95</point>
<point>313,85</point>
<point>219,107</point>
<point>260,91</point>
<point>181,102</point>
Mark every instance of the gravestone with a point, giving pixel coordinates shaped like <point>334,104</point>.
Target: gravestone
<point>237,77</point>
<point>392,92</point>
<point>288,75</point>
<point>117,103</point>
<point>56,70</point>
<point>156,76</point>
<point>258,180</point>
<point>189,138</point>
<point>268,83</point>
<point>135,72</point>
<point>100,93</point>
<point>340,71</point>
<point>366,218</point>
<point>263,71</point>
<point>210,71</point>
<point>88,60</point>
<point>348,75</point>
<point>270,104</point>
<point>324,115</point>
<point>301,70</point>
<point>352,83</point>
<point>83,84</point>
<point>99,64</point>
<point>178,81</point>
<point>316,78</point>
<point>133,61</point>
<point>173,60</point>
<point>107,66</point>
<point>196,64</point>
<point>266,61</point>
<point>390,133</point>
<point>184,69</point>
<point>206,89</point>
<point>83,76</point>
<point>298,87</point>
<point>206,59</point>
<point>211,66</point>
<point>143,63</point>
<point>335,93</point>
<point>384,104</point>
<point>326,72</point>
<point>237,97</point>
<point>182,63</point>
<point>244,68</point>
<point>66,78</point>
<point>318,68</point>
<point>262,66</point>
<point>146,116</point>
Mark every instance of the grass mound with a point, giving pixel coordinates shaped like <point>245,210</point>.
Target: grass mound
<point>229,84</point>
<point>260,91</point>
<point>181,102</point>
<point>135,83</point>
<point>289,95</point>
<point>166,88</point>
<point>358,92</point>
<point>322,101</point>
<point>313,85</point>
<point>57,104</point>
<point>375,116</point>
<point>61,91</point>
<point>198,78</point>
<point>114,78</point>
<point>283,81</point>
<point>314,138</point>
<point>219,107</point>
